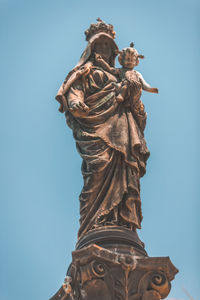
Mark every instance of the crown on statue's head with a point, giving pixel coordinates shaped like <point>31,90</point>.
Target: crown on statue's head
<point>101,26</point>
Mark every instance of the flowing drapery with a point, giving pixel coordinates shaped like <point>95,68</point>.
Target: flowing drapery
<point>112,146</point>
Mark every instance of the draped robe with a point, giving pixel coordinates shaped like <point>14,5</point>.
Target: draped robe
<point>114,152</point>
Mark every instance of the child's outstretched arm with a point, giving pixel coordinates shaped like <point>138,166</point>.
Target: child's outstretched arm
<point>146,86</point>
<point>102,63</point>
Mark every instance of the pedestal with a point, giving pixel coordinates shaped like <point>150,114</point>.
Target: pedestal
<point>110,263</point>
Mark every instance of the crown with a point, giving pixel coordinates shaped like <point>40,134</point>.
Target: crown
<point>131,49</point>
<point>101,26</point>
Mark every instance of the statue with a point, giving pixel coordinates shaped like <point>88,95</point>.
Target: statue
<point>108,132</point>
<point>103,108</point>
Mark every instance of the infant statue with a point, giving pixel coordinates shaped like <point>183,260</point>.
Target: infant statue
<point>131,82</point>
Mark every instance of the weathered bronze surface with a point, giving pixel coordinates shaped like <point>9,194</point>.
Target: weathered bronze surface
<point>103,108</point>
<point>99,273</point>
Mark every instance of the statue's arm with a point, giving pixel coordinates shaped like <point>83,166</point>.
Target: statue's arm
<point>73,78</point>
<point>75,99</point>
<point>103,64</point>
<point>145,85</point>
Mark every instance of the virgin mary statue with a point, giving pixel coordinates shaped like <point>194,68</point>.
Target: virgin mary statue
<point>109,137</point>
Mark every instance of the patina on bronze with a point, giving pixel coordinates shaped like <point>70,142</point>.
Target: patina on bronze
<point>103,108</point>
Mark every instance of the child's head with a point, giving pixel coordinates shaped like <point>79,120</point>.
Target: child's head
<point>129,57</point>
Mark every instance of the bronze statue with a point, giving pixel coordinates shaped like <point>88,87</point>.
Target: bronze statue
<point>108,131</point>
<point>103,108</point>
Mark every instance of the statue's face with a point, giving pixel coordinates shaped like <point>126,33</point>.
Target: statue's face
<point>130,60</point>
<point>103,47</point>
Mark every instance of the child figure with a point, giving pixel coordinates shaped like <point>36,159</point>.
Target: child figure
<point>131,82</point>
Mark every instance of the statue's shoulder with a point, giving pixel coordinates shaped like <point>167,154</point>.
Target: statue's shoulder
<point>74,75</point>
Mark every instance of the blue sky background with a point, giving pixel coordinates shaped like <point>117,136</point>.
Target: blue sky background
<point>41,41</point>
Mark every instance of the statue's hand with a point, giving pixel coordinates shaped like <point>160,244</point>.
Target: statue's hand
<point>78,108</point>
<point>100,61</point>
<point>84,70</point>
<point>153,90</point>
<point>78,105</point>
<point>98,57</point>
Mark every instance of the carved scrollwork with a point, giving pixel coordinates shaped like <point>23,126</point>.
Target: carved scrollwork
<point>93,270</point>
<point>157,283</point>
<point>99,269</point>
<point>161,284</point>
<point>99,273</point>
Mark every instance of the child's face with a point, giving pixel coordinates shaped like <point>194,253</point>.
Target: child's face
<point>130,60</point>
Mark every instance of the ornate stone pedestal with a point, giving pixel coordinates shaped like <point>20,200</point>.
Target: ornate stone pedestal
<point>110,263</point>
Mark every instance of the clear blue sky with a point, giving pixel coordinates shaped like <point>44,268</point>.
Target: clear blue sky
<point>40,168</point>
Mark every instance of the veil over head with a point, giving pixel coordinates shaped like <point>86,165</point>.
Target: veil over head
<point>90,46</point>
<point>85,57</point>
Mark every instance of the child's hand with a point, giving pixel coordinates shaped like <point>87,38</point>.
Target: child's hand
<point>98,57</point>
<point>153,90</point>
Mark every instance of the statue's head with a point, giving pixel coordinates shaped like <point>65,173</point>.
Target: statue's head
<point>100,37</point>
<point>129,57</point>
<point>103,46</point>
